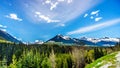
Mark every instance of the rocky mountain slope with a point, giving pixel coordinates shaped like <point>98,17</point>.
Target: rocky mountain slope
<point>85,41</point>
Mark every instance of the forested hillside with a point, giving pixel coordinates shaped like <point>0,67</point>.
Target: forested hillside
<point>50,55</point>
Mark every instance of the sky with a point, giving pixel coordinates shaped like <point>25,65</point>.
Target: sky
<point>30,20</point>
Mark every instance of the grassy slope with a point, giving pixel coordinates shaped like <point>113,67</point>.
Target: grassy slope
<point>104,60</point>
<point>4,41</point>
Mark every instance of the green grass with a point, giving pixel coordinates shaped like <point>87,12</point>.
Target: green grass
<point>103,60</point>
<point>4,41</point>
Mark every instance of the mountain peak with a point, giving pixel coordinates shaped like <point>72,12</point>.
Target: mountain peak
<point>59,35</point>
<point>87,41</point>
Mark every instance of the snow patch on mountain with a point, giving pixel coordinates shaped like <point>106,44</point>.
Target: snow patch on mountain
<point>107,39</point>
<point>110,39</point>
<point>87,41</point>
<point>66,37</point>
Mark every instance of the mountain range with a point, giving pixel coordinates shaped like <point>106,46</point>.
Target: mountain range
<point>106,41</point>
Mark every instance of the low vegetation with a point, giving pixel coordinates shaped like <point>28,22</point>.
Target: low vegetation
<point>109,61</point>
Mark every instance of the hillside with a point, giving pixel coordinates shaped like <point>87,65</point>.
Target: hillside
<point>6,36</point>
<point>53,55</point>
<point>4,41</point>
<point>109,61</point>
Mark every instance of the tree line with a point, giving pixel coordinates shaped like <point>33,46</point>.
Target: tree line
<point>50,55</point>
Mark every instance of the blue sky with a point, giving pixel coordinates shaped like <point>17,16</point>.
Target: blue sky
<point>30,20</point>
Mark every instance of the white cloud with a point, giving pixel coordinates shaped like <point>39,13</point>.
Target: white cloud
<point>95,27</point>
<point>45,18</point>
<point>61,10</point>
<point>95,12</point>
<point>69,1</point>
<point>91,17</point>
<point>94,15</point>
<point>98,18</point>
<point>53,5</point>
<point>3,30</point>
<point>14,17</point>
<point>85,15</point>
<point>61,0</point>
<point>48,1</point>
<point>38,13</point>
<point>2,26</point>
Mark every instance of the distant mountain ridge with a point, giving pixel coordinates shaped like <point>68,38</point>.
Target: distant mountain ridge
<point>61,38</point>
<point>85,41</point>
<point>5,36</point>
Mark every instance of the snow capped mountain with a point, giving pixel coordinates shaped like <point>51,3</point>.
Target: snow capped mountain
<point>86,41</point>
<point>90,39</point>
<point>66,37</point>
<point>110,39</point>
<point>107,39</point>
<point>94,40</point>
<point>63,39</point>
<point>102,41</point>
<point>38,42</point>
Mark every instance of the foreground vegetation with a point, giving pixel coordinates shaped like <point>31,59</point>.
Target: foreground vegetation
<point>50,55</point>
<point>109,60</point>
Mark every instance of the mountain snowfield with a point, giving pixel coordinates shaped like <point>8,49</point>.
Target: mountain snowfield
<point>102,39</point>
<point>106,41</point>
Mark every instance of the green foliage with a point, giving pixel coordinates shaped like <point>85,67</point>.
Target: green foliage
<point>90,56</point>
<point>52,59</point>
<point>14,62</point>
<point>101,61</point>
<point>63,61</point>
<point>3,63</point>
<point>4,41</point>
<point>50,55</point>
<point>46,63</point>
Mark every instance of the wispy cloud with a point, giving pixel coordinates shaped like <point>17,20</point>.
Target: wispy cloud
<point>95,12</point>
<point>62,10</point>
<point>45,18</point>
<point>69,1</point>
<point>94,15</point>
<point>85,15</point>
<point>3,30</point>
<point>95,27</point>
<point>14,17</point>
<point>98,18</point>
<point>2,26</point>
<point>53,4</point>
<point>91,17</point>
